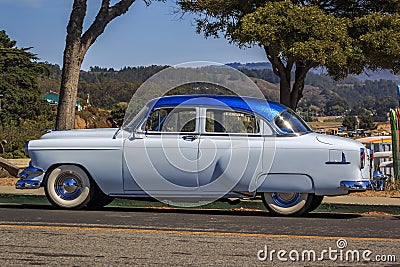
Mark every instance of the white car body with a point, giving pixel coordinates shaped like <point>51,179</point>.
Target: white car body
<point>201,164</point>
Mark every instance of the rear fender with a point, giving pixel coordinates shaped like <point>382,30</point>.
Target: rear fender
<point>287,183</point>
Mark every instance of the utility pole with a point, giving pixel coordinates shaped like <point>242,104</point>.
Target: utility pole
<point>1,96</point>
<point>398,93</point>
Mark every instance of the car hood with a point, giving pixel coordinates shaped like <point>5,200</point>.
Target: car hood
<point>87,133</point>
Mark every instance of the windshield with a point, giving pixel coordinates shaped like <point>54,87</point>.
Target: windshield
<point>133,124</point>
<point>289,122</point>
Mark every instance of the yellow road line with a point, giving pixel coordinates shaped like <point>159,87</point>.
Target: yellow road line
<point>176,232</point>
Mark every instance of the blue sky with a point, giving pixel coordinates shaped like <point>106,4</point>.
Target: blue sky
<point>143,36</point>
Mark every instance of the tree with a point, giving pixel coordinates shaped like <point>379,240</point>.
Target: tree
<point>366,122</point>
<point>23,115</point>
<point>76,46</point>
<point>300,35</point>
<point>379,37</point>
<point>117,114</point>
<point>350,122</point>
<point>299,38</point>
<point>18,84</point>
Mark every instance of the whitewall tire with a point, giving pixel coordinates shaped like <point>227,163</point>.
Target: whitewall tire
<point>68,186</point>
<point>287,204</point>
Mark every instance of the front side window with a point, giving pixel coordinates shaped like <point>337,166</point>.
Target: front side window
<point>171,120</point>
<point>289,122</point>
<point>222,121</point>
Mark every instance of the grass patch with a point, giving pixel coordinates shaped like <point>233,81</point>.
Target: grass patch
<point>23,199</point>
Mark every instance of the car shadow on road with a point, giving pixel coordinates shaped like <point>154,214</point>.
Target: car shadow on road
<point>254,213</point>
<point>171,210</point>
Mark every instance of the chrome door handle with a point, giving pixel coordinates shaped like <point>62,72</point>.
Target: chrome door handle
<point>189,137</point>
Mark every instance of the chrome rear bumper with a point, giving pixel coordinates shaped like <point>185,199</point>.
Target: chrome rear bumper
<point>356,185</point>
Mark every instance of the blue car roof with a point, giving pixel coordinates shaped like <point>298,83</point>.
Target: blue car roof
<point>267,109</point>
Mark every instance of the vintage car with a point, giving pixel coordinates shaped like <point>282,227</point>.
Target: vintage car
<point>193,148</point>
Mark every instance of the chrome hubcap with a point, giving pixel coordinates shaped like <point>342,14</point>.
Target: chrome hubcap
<point>68,186</point>
<point>286,200</point>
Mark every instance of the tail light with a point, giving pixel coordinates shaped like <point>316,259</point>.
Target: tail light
<point>26,144</point>
<point>362,158</point>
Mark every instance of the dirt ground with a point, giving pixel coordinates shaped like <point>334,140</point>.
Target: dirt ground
<point>8,181</point>
<point>19,162</point>
<point>5,179</point>
<point>386,193</point>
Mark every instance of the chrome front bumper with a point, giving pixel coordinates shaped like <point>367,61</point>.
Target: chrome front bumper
<point>30,178</point>
<point>356,185</point>
<point>27,184</point>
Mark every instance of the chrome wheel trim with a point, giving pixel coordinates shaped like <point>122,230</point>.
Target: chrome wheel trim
<point>291,203</point>
<point>68,186</point>
<point>286,200</point>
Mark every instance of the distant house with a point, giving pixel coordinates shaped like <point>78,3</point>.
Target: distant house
<point>53,98</point>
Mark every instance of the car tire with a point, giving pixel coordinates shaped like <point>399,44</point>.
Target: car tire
<point>98,200</point>
<point>287,204</point>
<point>68,187</point>
<point>315,202</point>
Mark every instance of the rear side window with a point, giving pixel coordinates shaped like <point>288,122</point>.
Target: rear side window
<point>221,121</point>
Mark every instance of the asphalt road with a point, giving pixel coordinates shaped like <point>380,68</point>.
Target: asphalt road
<point>41,235</point>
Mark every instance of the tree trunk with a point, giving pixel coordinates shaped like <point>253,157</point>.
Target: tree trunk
<point>69,87</point>
<point>284,90</point>
<point>76,46</point>
<point>283,72</point>
<point>289,95</point>
<point>298,87</point>
<point>73,57</point>
<point>12,169</point>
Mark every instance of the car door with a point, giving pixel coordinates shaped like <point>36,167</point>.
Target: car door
<point>163,160</point>
<point>230,149</point>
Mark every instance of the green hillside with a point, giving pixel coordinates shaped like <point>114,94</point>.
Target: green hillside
<point>322,95</point>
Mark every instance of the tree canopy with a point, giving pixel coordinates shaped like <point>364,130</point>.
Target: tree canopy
<point>299,37</point>
<point>18,83</point>
<point>342,36</point>
<point>378,36</point>
<point>350,122</point>
<point>23,115</point>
